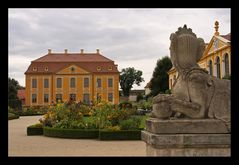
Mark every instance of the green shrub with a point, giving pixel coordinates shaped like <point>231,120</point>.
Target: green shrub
<point>130,124</point>
<point>15,104</point>
<point>71,133</point>
<point>120,135</point>
<point>36,129</point>
<point>125,105</point>
<point>12,116</point>
<point>36,110</point>
<point>85,109</point>
<point>139,97</point>
<point>143,104</point>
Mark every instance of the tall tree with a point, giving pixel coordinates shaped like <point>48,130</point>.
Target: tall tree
<point>129,77</point>
<point>13,86</point>
<point>13,100</point>
<point>159,81</point>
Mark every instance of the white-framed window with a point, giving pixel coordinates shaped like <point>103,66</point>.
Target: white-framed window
<point>98,82</point>
<point>59,82</point>
<point>46,98</point>
<point>58,97</point>
<point>86,97</point>
<point>46,83</point>
<point>226,63</point>
<point>86,82</point>
<point>210,67</point>
<point>34,98</point>
<point>110,82</point>
<point>34,83</point>
<point>218,66</point>
<point>73,82</point>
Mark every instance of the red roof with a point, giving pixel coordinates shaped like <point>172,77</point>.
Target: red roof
<point>228,36</point>
<point>73,57</point>
<point>87,61</point>
<point>21,94</point>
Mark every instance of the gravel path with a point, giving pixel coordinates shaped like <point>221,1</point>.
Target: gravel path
<point>19,144</point>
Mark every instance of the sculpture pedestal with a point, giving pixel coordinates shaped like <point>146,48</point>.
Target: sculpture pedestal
<point>204,137</point>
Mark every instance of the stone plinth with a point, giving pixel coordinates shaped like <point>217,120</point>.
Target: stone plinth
<point>202,137</point>
<point>179,126</point>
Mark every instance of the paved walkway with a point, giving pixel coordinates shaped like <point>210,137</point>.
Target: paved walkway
<point>19,144</point>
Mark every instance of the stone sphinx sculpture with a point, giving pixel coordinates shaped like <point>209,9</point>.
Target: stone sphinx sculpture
<point>196,94</point>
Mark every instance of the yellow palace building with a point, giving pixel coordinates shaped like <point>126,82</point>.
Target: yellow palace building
<point>78,76</point>
<point>216,58</point>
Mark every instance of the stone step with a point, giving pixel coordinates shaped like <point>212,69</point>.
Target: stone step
<point>184,126</point>
<point>186,140</point>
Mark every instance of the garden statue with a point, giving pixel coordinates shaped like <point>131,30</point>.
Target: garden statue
<point>195,94</point>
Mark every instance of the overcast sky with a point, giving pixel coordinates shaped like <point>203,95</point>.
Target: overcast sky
<point>130,37</point>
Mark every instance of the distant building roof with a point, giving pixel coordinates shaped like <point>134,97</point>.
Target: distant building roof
<point>228,36</point>
<point>137,91</point>
<point>21,94</point>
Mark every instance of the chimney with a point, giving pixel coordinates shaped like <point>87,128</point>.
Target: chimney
<point>49,51</point>
<point>82,51</point>
<point>65,51</point>
<point>98,51</point>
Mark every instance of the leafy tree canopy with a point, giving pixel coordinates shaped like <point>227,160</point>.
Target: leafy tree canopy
<point>129,77</point>
<point>159,81</point>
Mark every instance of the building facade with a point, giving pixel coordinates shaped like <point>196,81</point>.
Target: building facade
<point>216,58</point>
<point>78,76</point>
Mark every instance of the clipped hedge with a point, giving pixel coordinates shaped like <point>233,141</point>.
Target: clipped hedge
<point>71,133</point>
<point>35,129</point>
<point>120,135</point>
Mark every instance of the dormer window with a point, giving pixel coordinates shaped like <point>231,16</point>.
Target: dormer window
<point>34,69</point>
<point>98,68</point>
<point>46,69</point>
<point>110,68</point>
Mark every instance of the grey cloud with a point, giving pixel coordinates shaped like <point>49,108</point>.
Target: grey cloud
<point>120,34</point>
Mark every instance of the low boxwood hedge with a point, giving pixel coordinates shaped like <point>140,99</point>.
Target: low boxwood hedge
<point>120,135</point>
<point>35,129</point>
<point>71,133</point>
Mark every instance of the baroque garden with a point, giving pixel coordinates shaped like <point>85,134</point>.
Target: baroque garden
<point>79,93</point>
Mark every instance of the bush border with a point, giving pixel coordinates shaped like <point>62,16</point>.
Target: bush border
<point>120,135</point>
<point>32,130</point>
<point>71,133</point>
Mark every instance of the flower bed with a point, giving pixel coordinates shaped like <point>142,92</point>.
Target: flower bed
<point>35,129</point>
<point>120,135</point>
<point>71,133</point>
<point>68,120</point>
